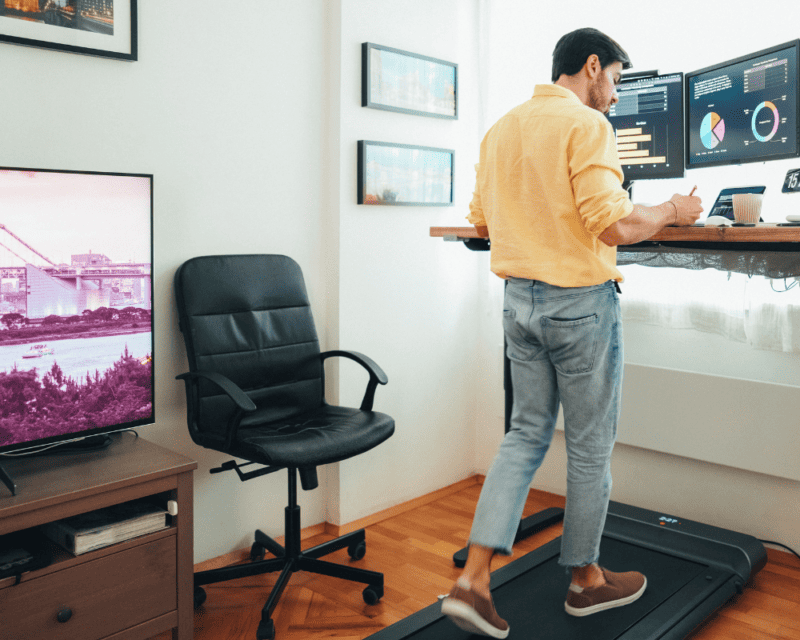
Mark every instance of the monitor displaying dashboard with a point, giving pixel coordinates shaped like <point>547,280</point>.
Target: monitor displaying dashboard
<point>744,110</point>
<point>648,125</point>
<point>76,292</point>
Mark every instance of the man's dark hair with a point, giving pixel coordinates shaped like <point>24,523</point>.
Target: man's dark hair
<point>573,49</point>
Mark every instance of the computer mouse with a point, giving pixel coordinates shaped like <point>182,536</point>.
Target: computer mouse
<point>718,221</point>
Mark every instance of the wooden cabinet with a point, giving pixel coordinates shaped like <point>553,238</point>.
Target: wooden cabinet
<point>129,591</point>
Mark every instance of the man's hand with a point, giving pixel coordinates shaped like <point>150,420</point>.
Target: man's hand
<point>645,222</point>
<point>687,209</point>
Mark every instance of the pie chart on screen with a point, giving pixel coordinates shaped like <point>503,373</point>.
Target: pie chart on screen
<point>712,130</point>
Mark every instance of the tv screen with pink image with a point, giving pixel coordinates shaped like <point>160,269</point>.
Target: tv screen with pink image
<point>76,291</point>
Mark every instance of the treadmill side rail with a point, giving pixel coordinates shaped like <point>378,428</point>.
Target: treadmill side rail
<point>684,611</point>
<point>738,553</point>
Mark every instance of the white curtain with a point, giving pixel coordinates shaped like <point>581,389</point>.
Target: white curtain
<point>755,310</point>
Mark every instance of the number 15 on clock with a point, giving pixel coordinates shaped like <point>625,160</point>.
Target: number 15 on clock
<point>792,182</point>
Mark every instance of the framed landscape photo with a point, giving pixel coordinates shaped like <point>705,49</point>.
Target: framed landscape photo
<point>404,174</point>
<point>396,80</point>
<point>104,28</point>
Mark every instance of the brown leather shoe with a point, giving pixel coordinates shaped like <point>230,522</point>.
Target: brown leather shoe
<point>620,589</point>
<point>474,613</point>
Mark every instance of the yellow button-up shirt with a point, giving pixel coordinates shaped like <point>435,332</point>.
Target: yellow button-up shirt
<point>549,182</point>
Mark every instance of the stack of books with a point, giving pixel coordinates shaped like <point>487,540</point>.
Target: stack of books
<point>111,525</point>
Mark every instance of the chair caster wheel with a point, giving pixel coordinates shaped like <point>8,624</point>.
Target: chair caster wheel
<point>357,550</point>
<point>199,596</point>
<point>266,630</point>
<point>257,552</point>
<point>372,595</point>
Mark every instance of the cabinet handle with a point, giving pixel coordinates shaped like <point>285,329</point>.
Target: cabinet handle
<point>64,615</point>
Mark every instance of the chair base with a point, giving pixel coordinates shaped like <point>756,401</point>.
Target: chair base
<point>286,565</point>
<point>290,559</point>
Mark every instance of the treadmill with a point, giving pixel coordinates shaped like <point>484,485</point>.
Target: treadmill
<point>692,569</point>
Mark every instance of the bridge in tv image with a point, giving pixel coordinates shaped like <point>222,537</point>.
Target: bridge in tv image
<point>89,282</point>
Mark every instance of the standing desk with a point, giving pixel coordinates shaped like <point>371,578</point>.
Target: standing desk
<point>692,568</point>
<point>769,250</point>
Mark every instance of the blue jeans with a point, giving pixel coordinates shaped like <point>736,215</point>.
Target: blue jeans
<point>565,346</point>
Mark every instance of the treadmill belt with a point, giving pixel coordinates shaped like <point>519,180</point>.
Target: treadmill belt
<point>533,602</point>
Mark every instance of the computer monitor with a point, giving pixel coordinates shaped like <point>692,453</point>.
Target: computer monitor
<point>744,110</point>
<point>76,345</point>
<point>648,124</point>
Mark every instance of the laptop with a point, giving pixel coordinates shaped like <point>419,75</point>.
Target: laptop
<point>724,203</point>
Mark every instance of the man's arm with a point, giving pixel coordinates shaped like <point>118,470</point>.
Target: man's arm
<point>645,222</point>
<point>476,216</point>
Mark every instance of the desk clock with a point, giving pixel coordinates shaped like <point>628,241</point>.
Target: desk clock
<point>792,182</point>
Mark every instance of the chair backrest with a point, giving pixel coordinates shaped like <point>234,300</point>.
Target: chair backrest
<point>248,317</point>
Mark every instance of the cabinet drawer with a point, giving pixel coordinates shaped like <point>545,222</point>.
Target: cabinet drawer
<point>104,596</point>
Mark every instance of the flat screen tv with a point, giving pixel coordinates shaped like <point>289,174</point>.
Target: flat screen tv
<point>76,291</point>
<point>744,110</point>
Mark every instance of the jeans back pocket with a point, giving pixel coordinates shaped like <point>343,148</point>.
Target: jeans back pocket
<point>571,344</point>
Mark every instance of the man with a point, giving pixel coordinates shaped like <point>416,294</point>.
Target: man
<point>549,195</point>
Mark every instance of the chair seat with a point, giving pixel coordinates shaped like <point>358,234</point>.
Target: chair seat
<point>327,434</point>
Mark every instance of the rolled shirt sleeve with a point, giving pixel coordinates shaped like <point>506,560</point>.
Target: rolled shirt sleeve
<point>596,176</point>
<point>476,216</point>
<point>548,183</point>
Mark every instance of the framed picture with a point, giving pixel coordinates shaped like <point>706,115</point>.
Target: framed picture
<point>396,80</point>
<point>92,27</point>
<point>404,175</point>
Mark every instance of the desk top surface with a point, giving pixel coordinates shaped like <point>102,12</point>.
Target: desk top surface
<point>764,232</point>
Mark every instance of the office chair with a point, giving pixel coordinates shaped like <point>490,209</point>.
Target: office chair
<point>255,390</point>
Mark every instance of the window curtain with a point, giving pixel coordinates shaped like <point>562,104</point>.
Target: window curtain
<point>759,311</point>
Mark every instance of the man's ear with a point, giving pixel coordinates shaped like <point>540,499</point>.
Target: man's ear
<point>593,67</point>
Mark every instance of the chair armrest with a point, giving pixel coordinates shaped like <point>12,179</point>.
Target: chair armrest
<point>376,374</point>
<point>233,391</point>
<point>243,403</point>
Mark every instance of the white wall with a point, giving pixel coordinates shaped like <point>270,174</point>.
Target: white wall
<point>248,118</point>
<point>406,299</point>
<point>680,36</point>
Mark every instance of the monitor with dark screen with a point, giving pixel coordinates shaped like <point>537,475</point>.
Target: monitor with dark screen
<point>648,124</point>
<point>744,110</point>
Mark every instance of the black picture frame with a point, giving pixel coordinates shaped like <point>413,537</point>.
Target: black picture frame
<point>390,81</point>
<point>104,28</point>
<point>405,175</point>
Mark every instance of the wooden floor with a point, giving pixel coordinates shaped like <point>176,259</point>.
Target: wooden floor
<point>414,550</point>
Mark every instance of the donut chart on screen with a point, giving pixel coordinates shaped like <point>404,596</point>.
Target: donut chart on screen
<point>775,115</point>
<point>712,130</point>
